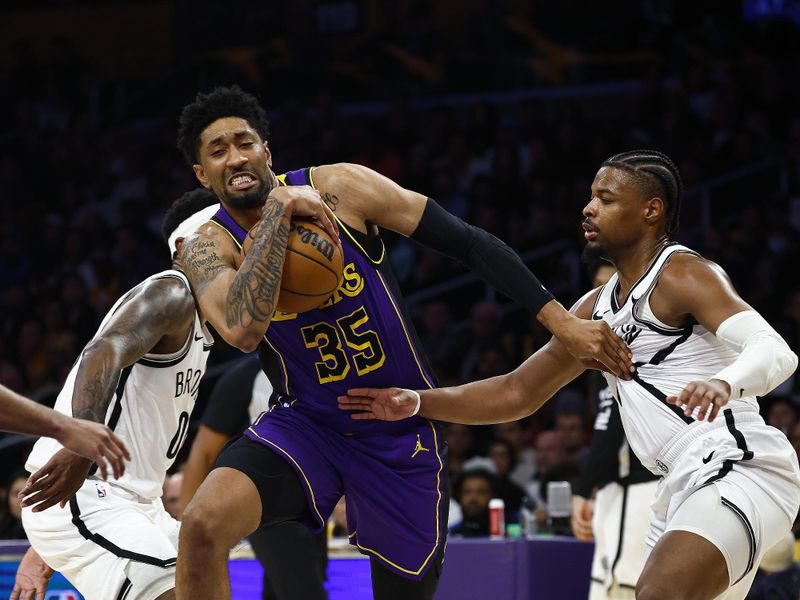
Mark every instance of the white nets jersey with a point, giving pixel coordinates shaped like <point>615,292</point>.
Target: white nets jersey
<point>151,405</point>
<point>667,359</point>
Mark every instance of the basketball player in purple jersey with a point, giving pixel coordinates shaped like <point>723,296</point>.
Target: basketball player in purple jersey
<point>296,460</point>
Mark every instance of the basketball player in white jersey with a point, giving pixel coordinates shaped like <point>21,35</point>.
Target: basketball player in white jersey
<point>139,375</point>
<point>730,486</point>
<point>90,440</point>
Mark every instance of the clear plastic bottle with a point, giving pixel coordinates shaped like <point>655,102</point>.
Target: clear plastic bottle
<point>527,518</point>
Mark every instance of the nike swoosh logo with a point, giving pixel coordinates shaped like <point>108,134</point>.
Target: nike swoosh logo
<point>197,338</point>
<point>598,315</point>
<point>708,458</point>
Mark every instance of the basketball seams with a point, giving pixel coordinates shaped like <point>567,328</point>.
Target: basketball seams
<point>324,266</point>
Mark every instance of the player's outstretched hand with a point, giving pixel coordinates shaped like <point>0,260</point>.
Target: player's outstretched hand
<point>97,443</point>
<point>596,345</point>
<point>388,404</point>
<point>32,577</point>
<point>56,482</point>
<point>708,396</point>
<point>307,202</point>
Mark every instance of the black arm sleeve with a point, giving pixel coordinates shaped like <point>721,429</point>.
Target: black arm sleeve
<point>602,463</point>
<point>226,411</point>
<point>483,253</point>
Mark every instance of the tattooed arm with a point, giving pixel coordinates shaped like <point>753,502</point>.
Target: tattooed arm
<point>158,317</point>
<point>239,303</point>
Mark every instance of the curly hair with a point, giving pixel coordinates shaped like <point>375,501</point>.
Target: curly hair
<point>221,102</point>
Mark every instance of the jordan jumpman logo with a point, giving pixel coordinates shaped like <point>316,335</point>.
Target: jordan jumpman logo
<point>419,448</point>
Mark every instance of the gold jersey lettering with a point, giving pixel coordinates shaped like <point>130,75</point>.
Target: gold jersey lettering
<point>352,285</point>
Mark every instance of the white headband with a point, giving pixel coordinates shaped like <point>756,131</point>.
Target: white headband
<point>190,225</point>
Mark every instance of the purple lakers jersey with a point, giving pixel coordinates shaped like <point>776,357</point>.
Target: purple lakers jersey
<point>360,337</point>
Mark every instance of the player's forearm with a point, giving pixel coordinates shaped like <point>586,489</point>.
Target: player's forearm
<point>765,359</point>
<point>487,256</point>
<point>21,415</point>
<point>479,403</point>
<point>253,292</point>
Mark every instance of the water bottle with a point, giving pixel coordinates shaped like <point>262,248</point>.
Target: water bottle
<point>527,518</point>
<point>497,518</point>
<point>559,507</point>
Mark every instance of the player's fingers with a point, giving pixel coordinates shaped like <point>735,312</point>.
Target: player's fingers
<point>352,400</point>
<point>40,593</point>
<point>617,367</point>
<point>50,501</point>
<point>351,406</point>
<point>116,460</point>
<point>324,217</point>
<point>117,466</point>
<point>363,416</point>
<point>42,486</point>
<point>366,392</point>
<point>684,395</point>
<point>103,468</point>
<point>714,411</point>
<point>618,347</point>
<point>14,593</point>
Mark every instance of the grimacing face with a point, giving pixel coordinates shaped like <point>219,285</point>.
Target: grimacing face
<point>617,215</point>
<point>235,163</point>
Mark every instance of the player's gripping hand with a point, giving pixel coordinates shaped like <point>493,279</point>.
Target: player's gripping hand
<point>596,345</point>
<point>707,396</point>
<point>97,443</point>
<point>56,482</point>
<point>388,404</point>
<point>307,202</point>
<point>32,577</point>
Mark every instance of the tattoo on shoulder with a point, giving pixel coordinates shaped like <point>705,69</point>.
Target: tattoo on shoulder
<point>332,200</point>
<point>200,260</point>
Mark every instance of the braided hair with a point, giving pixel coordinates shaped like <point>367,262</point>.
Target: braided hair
<point>656,175</point>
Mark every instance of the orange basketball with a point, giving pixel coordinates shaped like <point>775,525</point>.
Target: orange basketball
<point>312,268</point>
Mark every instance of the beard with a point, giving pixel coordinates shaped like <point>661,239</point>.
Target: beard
<point>250,199</point>
<point>592,252</point>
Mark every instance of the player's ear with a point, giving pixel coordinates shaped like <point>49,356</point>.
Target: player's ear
<point>268,154</point>
<point>654,210</point>
<point>200,173</point>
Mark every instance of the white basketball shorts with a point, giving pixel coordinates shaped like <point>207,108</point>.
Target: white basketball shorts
<point>110,544</point>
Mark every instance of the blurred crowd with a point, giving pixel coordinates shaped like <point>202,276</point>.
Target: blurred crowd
<point>89,173</point>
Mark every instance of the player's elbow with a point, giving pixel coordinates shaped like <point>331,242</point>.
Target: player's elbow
<point>245,339</point>
<point>247,342</point>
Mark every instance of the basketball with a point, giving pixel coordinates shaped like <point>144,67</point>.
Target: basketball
<point>312,267</point>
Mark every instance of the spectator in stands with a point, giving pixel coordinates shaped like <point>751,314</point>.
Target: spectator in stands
<point>171,494</point>
<point>504,458</point>
<point>571,424</point>
<point>782,414</point>
<point>460,442</point>
<point>473,490</point>
<point>515,433</point>
<point>12,528</point>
